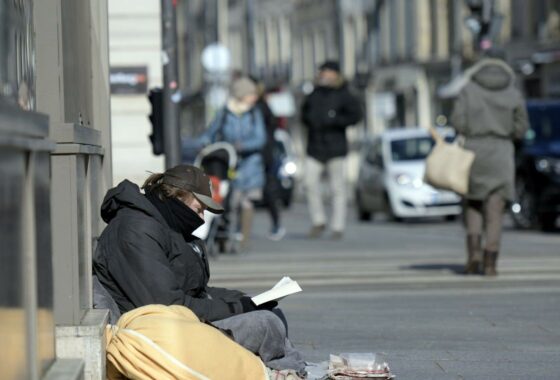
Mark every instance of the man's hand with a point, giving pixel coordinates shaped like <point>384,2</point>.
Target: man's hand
<point>248,305</point>
<point>268,305</point>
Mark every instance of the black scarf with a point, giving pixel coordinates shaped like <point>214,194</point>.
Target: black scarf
<point>179,217</point>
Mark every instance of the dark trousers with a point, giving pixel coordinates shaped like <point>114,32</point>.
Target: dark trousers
<point>270,197</point>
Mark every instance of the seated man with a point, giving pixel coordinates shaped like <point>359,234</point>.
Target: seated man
<point>148,255</point>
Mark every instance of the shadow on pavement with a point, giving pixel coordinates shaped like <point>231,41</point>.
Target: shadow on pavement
<point>455,268</point>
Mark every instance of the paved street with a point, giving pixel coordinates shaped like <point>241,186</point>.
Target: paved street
<point>393,289</point>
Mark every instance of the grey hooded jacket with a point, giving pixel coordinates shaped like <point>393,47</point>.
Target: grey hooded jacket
<point>490,112</point>
<point>141,261</point>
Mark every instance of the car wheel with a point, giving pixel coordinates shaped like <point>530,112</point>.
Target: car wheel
<point>547,222</point>
<point>363,215</point>
<point>523,210</point>
<point>451,218</point>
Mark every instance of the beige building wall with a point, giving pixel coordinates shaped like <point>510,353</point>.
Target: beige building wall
<point>423,31</point>
<point>442,14</point>
<point>504,7</point>
<point>135,40</point>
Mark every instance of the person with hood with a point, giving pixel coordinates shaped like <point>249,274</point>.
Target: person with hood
<point>241,124</point>
<point>148,255</point>
<point>326,113</point>
<point>490,113</point>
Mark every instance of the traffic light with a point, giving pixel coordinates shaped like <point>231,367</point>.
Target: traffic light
<point>156,117</point>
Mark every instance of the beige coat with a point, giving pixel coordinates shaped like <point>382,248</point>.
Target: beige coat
<point>490,112</point>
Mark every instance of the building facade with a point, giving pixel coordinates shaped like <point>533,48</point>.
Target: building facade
<point>135,55</point>
<point>399,52</point>
<point>56,165</point>
<point>412,66</point>
<point>533,46</point>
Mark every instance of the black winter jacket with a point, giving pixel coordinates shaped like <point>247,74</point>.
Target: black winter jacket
<point>271,123</point>
<point>141,261</point>
<point>326,113</point>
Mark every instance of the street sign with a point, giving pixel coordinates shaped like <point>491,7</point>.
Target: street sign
<point>129,80</point>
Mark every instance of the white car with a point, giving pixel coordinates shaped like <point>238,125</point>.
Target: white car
<point>391,176</point>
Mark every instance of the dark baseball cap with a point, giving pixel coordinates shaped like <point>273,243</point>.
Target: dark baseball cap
<point>193,179</point>
<point>330,65</point>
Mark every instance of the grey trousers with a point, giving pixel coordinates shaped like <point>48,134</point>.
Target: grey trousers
<point>336,170</point>
<point>264,333</point>
<point>485,218</point>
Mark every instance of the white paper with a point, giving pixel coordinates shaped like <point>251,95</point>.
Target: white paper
<point>283,288</point>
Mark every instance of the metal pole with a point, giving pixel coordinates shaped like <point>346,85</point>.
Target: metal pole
<point>250,22</point>
<point>341,37</point>
<point>171,131</point>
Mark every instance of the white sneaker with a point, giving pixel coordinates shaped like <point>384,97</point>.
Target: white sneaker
<point>277,234</point>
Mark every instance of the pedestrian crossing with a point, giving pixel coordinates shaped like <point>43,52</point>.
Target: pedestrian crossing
<point>386,257</point>
<point>316,274</point>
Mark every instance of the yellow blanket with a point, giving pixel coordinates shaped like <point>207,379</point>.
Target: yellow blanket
<point>169,342</point>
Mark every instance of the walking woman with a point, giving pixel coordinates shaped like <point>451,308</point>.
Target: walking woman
<point>490,112</point>
<point>241,124</point>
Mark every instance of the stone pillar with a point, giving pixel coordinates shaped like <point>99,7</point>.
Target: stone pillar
<point>73,89</point>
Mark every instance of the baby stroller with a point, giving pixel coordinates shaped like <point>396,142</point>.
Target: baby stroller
<point>218,160</point>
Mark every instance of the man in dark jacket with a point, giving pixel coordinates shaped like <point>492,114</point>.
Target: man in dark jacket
<point>148,255</point>
<point>326,113</point>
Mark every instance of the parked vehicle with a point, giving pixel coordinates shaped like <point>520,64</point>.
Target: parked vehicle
<point>391,175</point>
<point>538,168</point>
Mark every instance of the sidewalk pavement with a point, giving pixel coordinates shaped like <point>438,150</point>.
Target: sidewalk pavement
<point>394,289</point>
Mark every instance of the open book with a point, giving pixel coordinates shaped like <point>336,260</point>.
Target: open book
<point>283,288</point>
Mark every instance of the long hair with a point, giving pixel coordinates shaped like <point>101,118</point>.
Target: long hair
<point>154,185</point>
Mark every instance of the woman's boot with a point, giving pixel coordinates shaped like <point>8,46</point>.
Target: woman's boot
<point>474,254</point>
<point>490,259</point>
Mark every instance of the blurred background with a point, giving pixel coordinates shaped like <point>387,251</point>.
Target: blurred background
<point>404,59</point>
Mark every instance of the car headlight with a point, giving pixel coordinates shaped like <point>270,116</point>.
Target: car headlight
<point>548,165</point>
<point>404,179</point>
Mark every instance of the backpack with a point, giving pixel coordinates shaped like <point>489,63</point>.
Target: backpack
<point>220,134</point>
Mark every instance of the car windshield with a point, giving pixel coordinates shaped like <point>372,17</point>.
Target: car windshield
<point>410,149</point>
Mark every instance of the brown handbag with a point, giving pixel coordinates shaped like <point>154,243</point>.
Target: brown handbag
<point>448,165</point>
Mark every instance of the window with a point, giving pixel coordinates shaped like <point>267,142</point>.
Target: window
<point>411,149</point>
<point>308,63</point>
<point>285,40</point>
<point>260,45</point>
<point>319,47</point>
